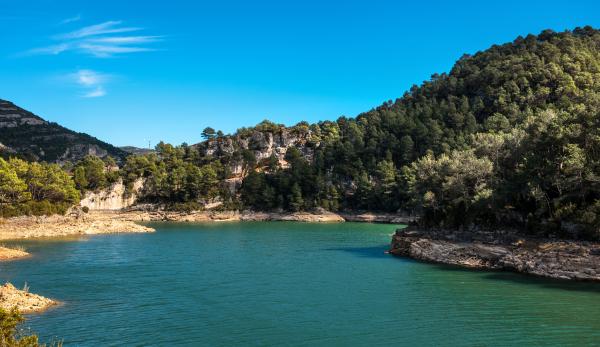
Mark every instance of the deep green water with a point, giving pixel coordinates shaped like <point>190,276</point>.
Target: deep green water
<point>282,283</point>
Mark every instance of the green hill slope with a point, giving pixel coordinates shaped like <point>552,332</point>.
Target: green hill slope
<point>510,136</point>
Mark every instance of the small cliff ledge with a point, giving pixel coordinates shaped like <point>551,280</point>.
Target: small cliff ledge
<point>559,259</point>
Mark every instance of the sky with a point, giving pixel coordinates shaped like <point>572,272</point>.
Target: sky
<point>138,72</point>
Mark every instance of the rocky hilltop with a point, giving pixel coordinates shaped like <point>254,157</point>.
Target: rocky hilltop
<point>501,250</point>
<point>264,141</point>
<point>28,135</point>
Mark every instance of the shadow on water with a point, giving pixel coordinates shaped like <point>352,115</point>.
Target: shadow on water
<point>545,282</point>
<point>525,279</point>
<point>365,252</point>
<point>491,275</point>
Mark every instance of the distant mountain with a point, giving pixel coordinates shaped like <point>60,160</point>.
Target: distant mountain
<point>29,136</point>
<point>136,150</point>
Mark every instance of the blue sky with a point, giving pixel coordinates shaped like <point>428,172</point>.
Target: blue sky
<point>129,72</point>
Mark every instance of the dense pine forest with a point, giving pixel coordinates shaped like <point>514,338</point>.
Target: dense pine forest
<point>509,137</point>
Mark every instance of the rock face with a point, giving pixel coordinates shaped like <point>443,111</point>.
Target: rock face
<point>274,141</point>
<point>25,133</point>
<point>24,301</point>
<point>113,198</point>
<point>569,260</point>
<point>378,218</point>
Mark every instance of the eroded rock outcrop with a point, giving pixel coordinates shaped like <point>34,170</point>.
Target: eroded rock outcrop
<point>263,144</point>
<point>570,260</point>
<point>115,197</point>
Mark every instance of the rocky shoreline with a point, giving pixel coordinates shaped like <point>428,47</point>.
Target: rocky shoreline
<point>23,300</point>
<point>56,226</point>
<point>224,216</point>
<point>220,216</point>
<point>501,250</point>
<point>12,254</point>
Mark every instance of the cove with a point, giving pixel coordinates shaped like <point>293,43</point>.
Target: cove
<point>285,283</point>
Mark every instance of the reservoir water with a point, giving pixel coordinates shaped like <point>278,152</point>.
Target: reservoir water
<point>284,283</point>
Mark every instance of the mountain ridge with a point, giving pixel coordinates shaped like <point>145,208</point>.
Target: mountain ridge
<point>28,135</point>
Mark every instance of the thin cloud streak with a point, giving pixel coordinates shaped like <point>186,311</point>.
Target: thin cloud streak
<point>104,51</point>
<point>127,39</point>
<point>49,50</point>
<point>98,29</point>
<point>71,20</point>
<point>100,41</point>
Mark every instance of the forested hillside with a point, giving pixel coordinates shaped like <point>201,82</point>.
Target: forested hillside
<point>509,137</point>
<point>24,134</point>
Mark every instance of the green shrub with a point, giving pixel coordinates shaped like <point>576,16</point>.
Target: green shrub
<point>11,336</point>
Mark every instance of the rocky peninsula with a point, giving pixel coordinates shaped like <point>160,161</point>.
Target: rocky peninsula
<point>23,300</point>
<point>55,226</point>
<point>12,253</point>
<point>501,250</point>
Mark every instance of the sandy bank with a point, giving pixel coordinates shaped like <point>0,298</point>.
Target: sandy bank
<point>52,226</point>
<point>11,254</point>
<point>24,301</point>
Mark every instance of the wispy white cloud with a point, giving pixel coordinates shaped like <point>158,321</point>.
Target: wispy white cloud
<point>71,19</point>
<point>110,27</point>
<point>103,51</point>
<point>51,50</point>
<point>96,93</point>
<point>99,40</point>
<point>127,39</point>
<point>91,81</point>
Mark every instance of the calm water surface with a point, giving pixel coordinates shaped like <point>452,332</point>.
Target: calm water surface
<point>282,283</point>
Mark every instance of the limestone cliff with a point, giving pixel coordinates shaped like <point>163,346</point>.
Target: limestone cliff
<point>263,143</point>
<point>115,197</point>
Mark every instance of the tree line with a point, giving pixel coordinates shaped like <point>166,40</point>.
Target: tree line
<point>510,136</point>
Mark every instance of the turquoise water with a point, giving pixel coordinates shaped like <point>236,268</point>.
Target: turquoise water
<point>295,284</point>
